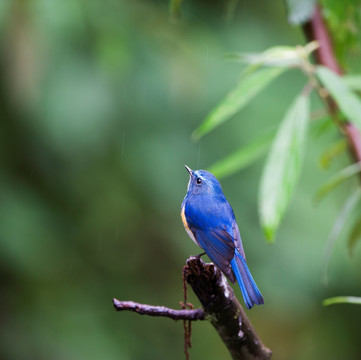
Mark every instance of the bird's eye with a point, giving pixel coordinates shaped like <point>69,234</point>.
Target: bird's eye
<point>199,181</point>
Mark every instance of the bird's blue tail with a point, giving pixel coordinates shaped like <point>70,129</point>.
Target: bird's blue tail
<point>250,291</point>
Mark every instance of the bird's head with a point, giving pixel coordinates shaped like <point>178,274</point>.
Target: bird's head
<point>203,182</point>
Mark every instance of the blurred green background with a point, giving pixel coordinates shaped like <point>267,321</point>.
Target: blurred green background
<point>98,100</point>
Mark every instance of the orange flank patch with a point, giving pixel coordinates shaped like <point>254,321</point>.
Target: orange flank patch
<point>184,218</point>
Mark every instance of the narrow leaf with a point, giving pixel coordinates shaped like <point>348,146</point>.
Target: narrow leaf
<point>348,102</point>
<point>339,224</point>
<point>321,126</point>
<point>353,82</point>
<point>175,9</point>
<point>231,7</point>
<point>242,157</point>
<point>283,56</point>
<point>355,235</point>
<point>342,300</point>
<point>283,166</point>
<point>274,56</point>
<point>332,152</point>
<point>244,92</point>
<point>337,179</point>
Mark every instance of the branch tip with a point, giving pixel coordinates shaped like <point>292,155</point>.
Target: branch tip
<point>151,310</point>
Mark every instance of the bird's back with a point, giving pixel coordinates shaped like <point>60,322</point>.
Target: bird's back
<point>209,212</point>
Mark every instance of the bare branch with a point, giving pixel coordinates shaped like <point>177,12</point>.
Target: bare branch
<point>354,139</point>
<point>224,311</point>
<point>220,307</point>
<point>144,309</point>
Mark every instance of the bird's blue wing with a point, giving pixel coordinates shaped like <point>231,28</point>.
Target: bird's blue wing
<point>219,246</point>
<point>237,239</point>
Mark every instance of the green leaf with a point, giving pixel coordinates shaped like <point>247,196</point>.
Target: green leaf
<point>332,152</point>
<point>274,56</point>
<point>242,157</point>
<point>337,179</point>
<point>321,126</point>
<point>344,23</point>
<point>300,11</point>
<point>283,56</point>
<point>283,166</point>
<point>249,86</point>
<point>353,82</point>
<point>231,9</point>
<point>339,224</point>
<point>175,9</point>
<point>348,102</point>
<point>355,235</point>
<point>342,300</point>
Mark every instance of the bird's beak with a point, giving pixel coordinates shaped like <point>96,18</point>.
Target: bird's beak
<point>189,170</point>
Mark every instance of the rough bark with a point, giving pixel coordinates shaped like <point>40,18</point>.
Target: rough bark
<point>224,311</point>
<point>219,305</point>
<point>144,309</point>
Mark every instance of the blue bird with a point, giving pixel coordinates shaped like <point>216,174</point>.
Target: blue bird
<point>210,222</point>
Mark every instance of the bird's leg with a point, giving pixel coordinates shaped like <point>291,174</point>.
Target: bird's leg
<point>200,255</point>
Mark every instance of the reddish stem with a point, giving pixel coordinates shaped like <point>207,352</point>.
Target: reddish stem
<point>316,29</point>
